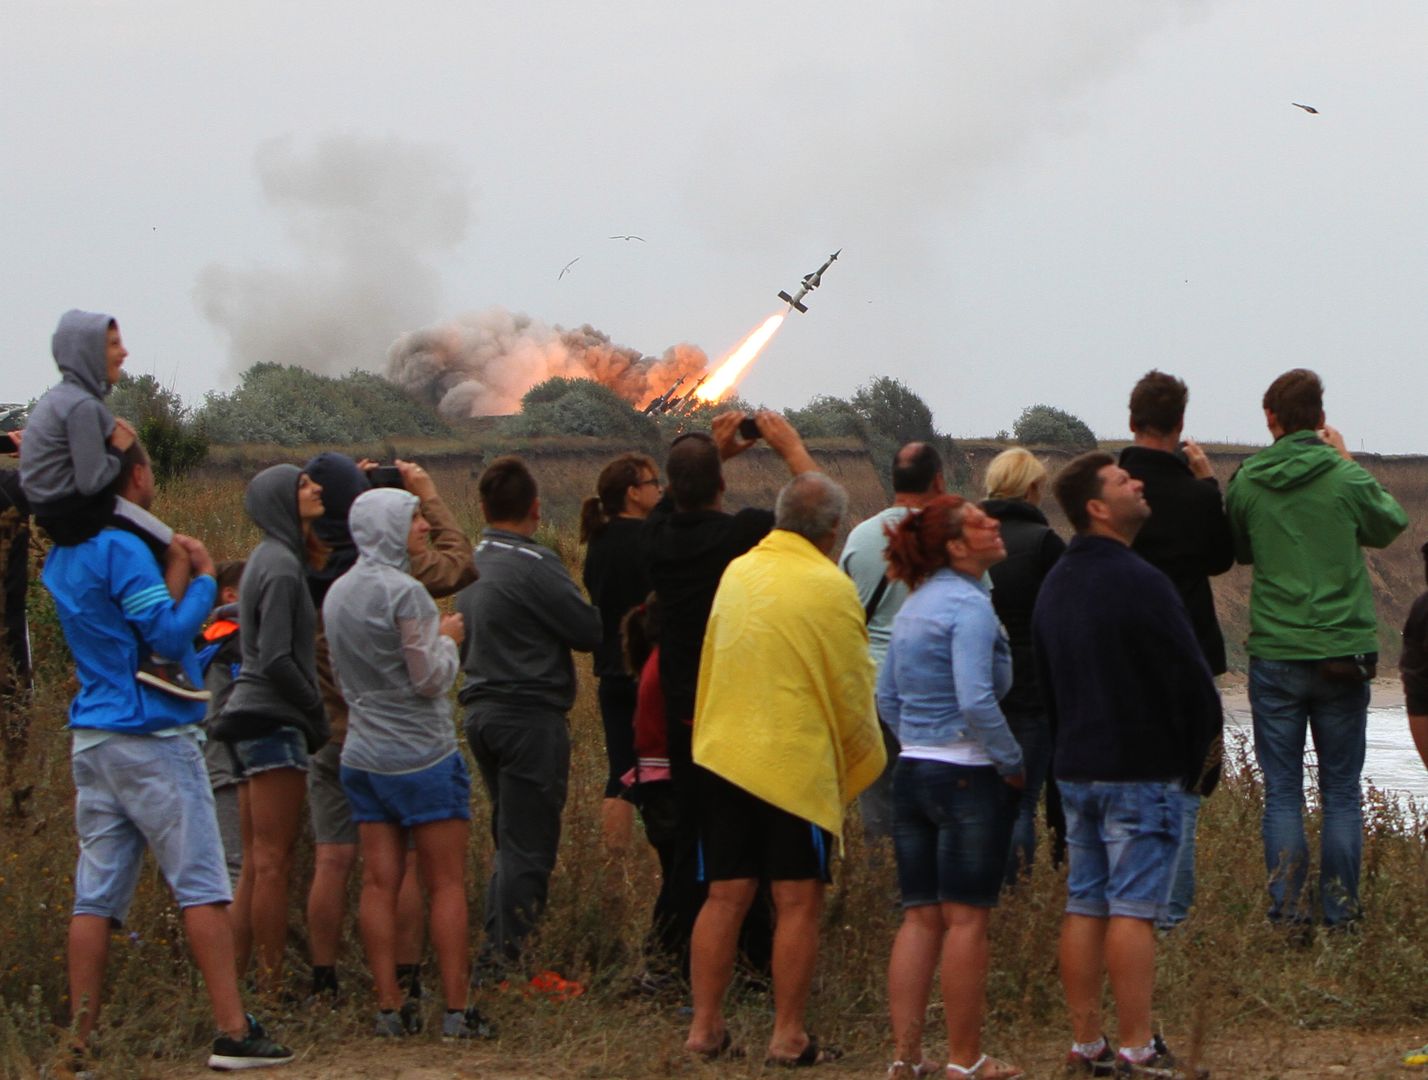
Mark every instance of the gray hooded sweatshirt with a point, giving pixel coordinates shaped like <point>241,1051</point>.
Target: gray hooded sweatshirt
<point>277,682</point>
<point>393,666</point>
<point>66,451</point>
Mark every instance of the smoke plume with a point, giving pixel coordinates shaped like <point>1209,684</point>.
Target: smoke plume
<point>366,217</point>
<point>481,364</point>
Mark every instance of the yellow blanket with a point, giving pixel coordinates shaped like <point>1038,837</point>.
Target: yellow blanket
<point>785,702</point>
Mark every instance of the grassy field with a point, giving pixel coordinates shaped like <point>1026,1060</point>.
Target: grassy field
<point>1226,978</point>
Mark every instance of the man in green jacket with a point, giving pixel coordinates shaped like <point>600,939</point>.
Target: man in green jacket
<point>1301,510</point>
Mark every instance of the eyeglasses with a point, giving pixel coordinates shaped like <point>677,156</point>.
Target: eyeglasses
<point>652,480</point>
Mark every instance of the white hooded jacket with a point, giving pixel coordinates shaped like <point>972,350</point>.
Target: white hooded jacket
<point>392,665</point>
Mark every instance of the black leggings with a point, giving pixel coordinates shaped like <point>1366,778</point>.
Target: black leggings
<point>617,713</point>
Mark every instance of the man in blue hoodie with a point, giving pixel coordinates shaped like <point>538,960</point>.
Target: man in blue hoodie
<point>138,768</point>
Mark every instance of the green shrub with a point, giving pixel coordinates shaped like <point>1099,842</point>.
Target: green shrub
<point>1043,425</point>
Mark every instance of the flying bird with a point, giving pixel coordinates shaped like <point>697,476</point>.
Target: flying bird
<point>1306,108</point>
<point>628,236</point>
<point>566,268</point>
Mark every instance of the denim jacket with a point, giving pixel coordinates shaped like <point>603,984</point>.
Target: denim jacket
<point>948,664</point>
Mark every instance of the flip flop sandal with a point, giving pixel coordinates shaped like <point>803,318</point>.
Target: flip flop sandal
<point>984,1068</point>
<point>725,1051</point>
<point>813,1054</point>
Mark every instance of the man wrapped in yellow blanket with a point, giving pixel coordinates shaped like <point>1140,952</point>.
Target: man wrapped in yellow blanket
<point>785,736</point>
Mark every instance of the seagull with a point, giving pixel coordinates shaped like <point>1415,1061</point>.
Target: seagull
<point>1306,108</point>
<point>628,236</point>
<point>566,268</point>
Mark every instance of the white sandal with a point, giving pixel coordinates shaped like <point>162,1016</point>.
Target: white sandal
<point>998,1070</point>
<point>899,1070</point>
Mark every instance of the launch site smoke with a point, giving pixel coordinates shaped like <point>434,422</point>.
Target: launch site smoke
<point>481,364</point>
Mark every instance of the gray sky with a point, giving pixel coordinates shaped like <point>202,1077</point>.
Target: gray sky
<point>1036,201</point>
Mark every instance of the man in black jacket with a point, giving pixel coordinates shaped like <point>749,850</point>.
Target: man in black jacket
<point>1135,711</point>
<point>1188,537</point>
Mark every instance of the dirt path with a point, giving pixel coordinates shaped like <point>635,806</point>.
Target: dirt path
<point>1259,1054</point>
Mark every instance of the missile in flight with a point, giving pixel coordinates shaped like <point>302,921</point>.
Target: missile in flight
<point>809,283</point>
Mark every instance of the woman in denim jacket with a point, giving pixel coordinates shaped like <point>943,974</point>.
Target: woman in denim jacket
<point>957,782</point>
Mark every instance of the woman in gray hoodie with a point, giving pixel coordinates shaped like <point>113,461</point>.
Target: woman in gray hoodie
<point>274,716</point>
<point>396,658</point>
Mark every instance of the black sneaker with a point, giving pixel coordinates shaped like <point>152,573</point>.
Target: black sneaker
<point>1161,1065</point>
<point>254,1051</point>
<point>169,676</point>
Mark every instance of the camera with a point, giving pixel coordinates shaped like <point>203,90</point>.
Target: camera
<point>748,428</point>
<point>385,476</point>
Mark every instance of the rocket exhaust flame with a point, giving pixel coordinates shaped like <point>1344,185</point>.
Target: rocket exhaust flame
<point>727,374</point>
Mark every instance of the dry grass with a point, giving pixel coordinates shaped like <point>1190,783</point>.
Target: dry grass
<point>1224,973</point>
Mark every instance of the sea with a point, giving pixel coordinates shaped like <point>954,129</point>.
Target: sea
<point>1391,763</point>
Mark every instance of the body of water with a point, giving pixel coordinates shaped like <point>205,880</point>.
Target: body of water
<point>1391,762</point>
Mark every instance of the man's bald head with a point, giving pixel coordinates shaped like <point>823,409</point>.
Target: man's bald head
<point>135,481</point>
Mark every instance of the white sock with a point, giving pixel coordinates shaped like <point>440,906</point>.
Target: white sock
<point>1139,1053</point>
<point>1091,1049</point>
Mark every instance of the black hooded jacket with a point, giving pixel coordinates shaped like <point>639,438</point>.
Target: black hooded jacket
<point>1032,550</point>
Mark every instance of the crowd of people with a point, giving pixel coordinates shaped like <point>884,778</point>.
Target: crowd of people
<point>953,663</point>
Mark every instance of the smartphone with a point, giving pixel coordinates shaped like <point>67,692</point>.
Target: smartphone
<point>385,476</point>
<point>749,428</point>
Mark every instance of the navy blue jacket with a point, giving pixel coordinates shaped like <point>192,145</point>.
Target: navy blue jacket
<point>1122,675</point>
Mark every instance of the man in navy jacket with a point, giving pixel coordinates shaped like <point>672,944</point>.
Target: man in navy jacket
<point>1136,715</point>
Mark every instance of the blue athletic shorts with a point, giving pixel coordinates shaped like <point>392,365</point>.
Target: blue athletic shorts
<point>440,792</point>
<point>285,748</point>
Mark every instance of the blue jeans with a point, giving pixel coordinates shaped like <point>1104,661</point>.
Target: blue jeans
<point>1182,885</point>
<point>1288,697</point>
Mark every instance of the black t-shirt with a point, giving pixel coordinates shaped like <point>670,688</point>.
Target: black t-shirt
<point>688,551</point>
<point>617,578</point>
<point>1413,662</point>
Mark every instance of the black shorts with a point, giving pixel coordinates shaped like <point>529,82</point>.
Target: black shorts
<point>741,836</point>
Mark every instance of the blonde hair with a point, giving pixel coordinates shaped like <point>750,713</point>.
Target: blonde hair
<point>1012,474</point>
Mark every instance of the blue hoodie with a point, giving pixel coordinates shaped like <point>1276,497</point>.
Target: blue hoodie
<point>107,590</point>
<point>66,451</point>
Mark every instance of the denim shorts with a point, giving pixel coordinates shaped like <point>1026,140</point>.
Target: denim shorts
<point>952,829</point>
<point>1122,839</point>
<point>440,792</point>
<point>285,748</point>
<point>137,791</point>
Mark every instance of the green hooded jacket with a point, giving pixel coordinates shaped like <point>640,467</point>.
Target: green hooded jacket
<point>1300,513</point>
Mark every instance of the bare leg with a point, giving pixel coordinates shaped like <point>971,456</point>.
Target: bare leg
<point>441,851</point>
<point>210,936</point>
<point>617,825</point>
<point>327,900</point>
<point>383,853</point>
<point>914,960</point>
<point>964,980</point>
<point>88,953</point>
<point>241,916</point>
<point>711,958</point>
<point>275,807</point>
<point>411,912</point>
<point>1418,726</point>
<point>797,906</point>
<point>1130,962</point>
<point>1083,947</point>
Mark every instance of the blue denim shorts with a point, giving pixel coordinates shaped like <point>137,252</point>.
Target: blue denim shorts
<point>952,829</point>
<point>440,792</point>
<point>1122,838</point>
<point>285,748</point>
<point>137,791</point>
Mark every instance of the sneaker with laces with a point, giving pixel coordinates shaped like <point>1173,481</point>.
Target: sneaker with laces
<point>388,1025</point>
<point>469,1024</point>
<point>254,1051</point>
<point>1102,1064</point>
<point>169,676</point>
<point>1161,1065</point>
